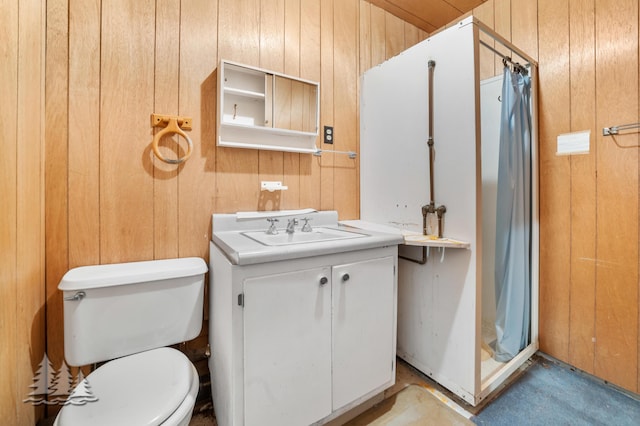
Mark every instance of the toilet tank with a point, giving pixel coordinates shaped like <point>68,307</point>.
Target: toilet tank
<point>120,309</point>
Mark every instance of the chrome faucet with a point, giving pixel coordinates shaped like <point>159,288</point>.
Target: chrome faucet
<point>306,227</point>
<point>291,226</point>
<point>272,226</point>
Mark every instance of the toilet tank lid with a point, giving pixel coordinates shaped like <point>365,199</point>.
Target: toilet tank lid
<point>96,276</point>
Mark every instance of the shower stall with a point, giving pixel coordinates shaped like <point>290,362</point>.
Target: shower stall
<point>447,289</point>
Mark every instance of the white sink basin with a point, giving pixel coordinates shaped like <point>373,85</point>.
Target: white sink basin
<point>243,239</point>
<point>299,237</point>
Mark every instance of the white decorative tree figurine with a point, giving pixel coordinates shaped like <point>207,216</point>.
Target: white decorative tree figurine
<point>62,383</point>
<point>82,392</point>
<point>42,382</point>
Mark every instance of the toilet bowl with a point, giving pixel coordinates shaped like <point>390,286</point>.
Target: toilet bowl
<point>156,387</point>
<point>126,314</point>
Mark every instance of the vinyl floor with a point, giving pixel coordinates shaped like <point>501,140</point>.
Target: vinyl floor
<point>547,392</point>
<point>550,393</point>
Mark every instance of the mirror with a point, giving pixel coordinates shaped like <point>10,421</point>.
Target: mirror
<point>294,105</point>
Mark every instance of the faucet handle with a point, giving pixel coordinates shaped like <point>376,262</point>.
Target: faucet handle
<point>272,226</point>
<point>291,223</point>
<point>306,227</point>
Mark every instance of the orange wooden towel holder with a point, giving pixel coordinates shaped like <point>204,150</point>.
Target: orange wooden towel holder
<point>172,124</point>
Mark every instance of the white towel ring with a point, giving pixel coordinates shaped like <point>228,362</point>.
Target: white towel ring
<point>172,127</point>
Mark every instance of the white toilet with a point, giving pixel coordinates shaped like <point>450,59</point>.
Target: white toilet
<point>127,313</point>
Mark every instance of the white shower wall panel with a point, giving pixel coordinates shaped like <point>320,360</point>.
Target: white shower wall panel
<point>438,316</point>
<point>490,92</point>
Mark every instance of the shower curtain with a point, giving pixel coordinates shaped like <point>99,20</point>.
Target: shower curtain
<point>513,219</point>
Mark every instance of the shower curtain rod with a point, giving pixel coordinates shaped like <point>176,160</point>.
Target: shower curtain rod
<point>516,65</point>
<point>507,44</point>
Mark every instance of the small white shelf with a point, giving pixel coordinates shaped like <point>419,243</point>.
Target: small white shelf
<point>428,241</point>
<point>410,238</point>
<point>268,138</point>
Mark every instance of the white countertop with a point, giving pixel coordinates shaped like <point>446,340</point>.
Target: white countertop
<point>241,250</point>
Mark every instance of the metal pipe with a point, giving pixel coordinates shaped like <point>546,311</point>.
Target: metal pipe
<point>418,261</point>
<point>431,209</point>
<point>430,142</point>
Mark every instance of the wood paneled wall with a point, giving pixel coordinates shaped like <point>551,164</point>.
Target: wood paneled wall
<point>589,66</point>
<point>22,303</point>
<point>110,64</point>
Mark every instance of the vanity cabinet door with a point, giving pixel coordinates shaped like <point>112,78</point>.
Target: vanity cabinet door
<point>363,328</point>
<point>287,348</point>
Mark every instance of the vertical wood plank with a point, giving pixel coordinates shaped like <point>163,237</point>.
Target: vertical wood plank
<point>165,176</point>
<point>310,69</point>
<point>84,133</point>
<point>291,161</point>
<point>197,99</point>
<point>616,358</point>
<point>237,173</point>
<point>271,163</point>
<point>583,187</point>
<point>272,35</point>
<point>555,193</point>
<point>127,67</point>
<point>411,35</point>
<point>56,172</point>
<point>30,291</point>
<point>9,389</point>
<point>524,26</point>
<point>292,35</point>
<point>638,302</point>
<point>394,35</point>
<point>327,95</point>
<point>346,194</point>
<point>502,18</point>
<point>356,76</point>
<point>378,36</point>
<point>197,181</point>
<point>502,25</point>
<point>484,13</point>
<point>365,36</point>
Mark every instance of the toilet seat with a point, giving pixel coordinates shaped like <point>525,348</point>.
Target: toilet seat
<point>141,389</point>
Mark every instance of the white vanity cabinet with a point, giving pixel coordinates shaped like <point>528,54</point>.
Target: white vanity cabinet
<point>301,341</point>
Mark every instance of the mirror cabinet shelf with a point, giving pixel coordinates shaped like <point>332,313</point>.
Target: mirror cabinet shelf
<point>230,91</point>
<point>261,109</point>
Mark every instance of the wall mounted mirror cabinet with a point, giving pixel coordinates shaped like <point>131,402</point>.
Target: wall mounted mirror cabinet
<point>262,109</point>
